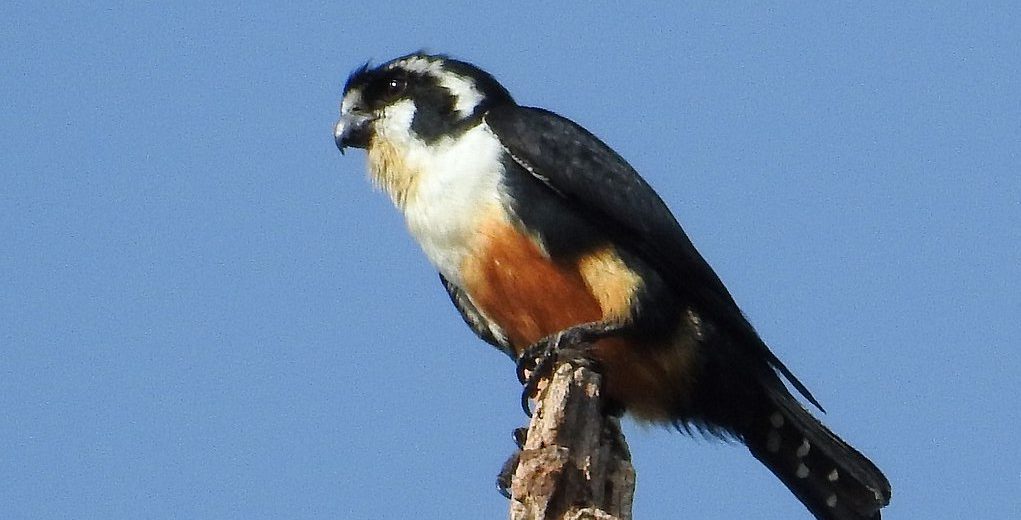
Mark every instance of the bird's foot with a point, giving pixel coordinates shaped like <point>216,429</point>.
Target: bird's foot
<point>538,360</point>
<point>506,475</point>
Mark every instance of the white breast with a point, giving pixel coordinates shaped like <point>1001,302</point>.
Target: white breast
<point>454,187</point>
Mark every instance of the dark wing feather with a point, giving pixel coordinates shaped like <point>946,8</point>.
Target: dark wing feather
<point>598,182</point>
<point>475,320</point>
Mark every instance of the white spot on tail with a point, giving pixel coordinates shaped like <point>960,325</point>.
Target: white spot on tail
<point>802,471</point>
<point>773,441</point>
<point>832,500</point>
<point>803,449</point>
<point>776,420</point>
<point>833,476</point>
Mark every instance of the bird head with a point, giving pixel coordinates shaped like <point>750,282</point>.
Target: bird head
<point>415,97</point>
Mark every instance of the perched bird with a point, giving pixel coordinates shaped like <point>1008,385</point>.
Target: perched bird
<point>541,232</point>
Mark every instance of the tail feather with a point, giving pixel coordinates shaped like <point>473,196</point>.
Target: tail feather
<point>832,479</point>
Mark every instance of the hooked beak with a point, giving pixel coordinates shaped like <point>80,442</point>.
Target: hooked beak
<point>352,129</point>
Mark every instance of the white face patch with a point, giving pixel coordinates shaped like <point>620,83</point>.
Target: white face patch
<point>350,101</point>
<point>421,65</point>
<point>394,124</point>
<point>466,94</point>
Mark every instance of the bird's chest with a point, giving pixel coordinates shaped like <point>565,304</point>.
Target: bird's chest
<point>458,210</point>
<point>518,286</point>
<point>462,222</point>
<point>451,198</point>
<point>449,223</point>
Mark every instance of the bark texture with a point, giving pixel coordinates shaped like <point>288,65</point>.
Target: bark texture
<point>575,464</point>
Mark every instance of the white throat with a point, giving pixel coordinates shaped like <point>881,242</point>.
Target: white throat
<point>445,189</point>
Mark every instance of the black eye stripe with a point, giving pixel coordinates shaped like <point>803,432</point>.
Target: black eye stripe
<point>385,87</point>
<point>395,86</point>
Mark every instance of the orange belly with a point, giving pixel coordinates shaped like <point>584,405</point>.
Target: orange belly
<point>530,296</point>
<point>526,293</point>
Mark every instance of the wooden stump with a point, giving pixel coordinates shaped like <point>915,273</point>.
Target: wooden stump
<point>575,464</point>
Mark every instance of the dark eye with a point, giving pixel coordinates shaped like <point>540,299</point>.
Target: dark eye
<point>394,87</point>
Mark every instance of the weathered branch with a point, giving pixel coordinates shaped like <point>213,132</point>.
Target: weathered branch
<point>575,464</point>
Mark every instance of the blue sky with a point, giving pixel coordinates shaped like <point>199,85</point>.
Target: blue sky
<point>206,312</point>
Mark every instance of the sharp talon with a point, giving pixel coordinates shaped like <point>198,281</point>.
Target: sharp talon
<point>522,362</point>
<point>520,435</point>
<point>525,394</point>
<point>536,355</point>
<point>532,357</point>
<point>543,366</point>
<point>537,360</point>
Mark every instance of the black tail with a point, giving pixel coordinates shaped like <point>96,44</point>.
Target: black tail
<point>831,478</point>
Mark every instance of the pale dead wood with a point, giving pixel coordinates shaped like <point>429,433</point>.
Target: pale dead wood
<point>575,464</point>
